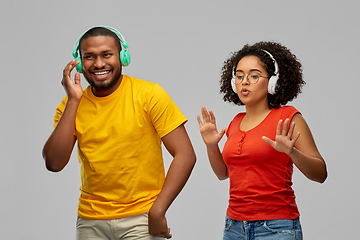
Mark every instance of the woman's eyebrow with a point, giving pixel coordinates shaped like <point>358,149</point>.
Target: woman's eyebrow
<point>251,70</point>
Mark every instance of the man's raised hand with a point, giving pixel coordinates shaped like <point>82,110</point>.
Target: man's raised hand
<point>73,89</point>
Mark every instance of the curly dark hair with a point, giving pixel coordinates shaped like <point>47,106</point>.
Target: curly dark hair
<point>290,79</point>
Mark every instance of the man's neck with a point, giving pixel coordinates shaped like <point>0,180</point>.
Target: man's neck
<point>103,92</point>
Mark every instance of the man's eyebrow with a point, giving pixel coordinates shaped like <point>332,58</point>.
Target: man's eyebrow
<point>105,51</point>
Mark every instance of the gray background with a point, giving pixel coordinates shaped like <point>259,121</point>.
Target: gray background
<point>181,45</point>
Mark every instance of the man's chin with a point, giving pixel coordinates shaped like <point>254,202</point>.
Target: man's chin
<point>103,84</point>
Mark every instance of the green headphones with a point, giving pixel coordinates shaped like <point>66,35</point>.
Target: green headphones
<point>124,53</point>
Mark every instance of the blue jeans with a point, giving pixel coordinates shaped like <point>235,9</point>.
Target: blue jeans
<point>279,229</point>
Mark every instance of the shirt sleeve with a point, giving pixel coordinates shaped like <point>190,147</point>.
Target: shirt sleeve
<point>59,110</point>
<point>164,113</point>
<point>289,112</point>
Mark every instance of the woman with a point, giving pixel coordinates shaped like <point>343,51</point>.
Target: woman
<point>263,143</point>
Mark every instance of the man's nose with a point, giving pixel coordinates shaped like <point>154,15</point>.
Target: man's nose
<point>99,62</point>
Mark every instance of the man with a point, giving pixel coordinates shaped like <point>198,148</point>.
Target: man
<point>119,123</point>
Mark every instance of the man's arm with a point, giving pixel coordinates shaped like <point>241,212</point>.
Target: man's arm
<point>179,146</point>
<point>57,149</point>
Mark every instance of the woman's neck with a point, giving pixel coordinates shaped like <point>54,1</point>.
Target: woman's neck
<point>254,116</point>
<point>258,110</point>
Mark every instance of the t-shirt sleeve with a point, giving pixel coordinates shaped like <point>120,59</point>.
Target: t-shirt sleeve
<point>234,123</point>
<point>228,129</point>
<point>59,110</point>
<point>163,112</point>
<point>289,112</point>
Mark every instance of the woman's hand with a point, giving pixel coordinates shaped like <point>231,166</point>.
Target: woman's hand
<point>208,129</point>
<point>283,139</point>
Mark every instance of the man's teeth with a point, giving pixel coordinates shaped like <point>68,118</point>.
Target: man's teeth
<point>101,73</point>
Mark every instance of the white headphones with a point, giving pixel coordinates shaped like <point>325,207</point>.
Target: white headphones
<point>272,81</point>
<point>233,82</point>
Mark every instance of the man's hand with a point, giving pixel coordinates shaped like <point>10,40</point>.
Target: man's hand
<point>158,224</point>
<point>73,90</point>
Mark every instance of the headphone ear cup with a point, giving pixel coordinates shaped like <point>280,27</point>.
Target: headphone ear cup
<point>272,85</point>
<point>233,86</point>
<point>79,66</point>
<point>125,58</point>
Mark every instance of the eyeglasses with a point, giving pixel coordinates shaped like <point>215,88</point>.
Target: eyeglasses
<point>252,78</point>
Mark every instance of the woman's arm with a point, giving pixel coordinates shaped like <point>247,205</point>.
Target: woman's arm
<point>211,138</point>
<point>299,144</point>
<point>305,154</point>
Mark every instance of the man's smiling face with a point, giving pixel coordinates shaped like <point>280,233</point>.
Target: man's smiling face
<point>101,64</point>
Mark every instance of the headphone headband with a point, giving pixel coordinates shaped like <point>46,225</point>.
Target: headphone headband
<point>274,61</point>
<point>124,53</point>
<point>121,37</point>
<point>273,79</point>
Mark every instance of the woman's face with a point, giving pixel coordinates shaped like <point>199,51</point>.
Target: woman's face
<point>250,91</point>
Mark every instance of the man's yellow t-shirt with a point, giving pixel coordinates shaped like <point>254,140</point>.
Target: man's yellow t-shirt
<point>119,147</point>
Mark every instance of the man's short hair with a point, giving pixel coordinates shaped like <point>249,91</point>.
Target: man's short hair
<point>100,31</point>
